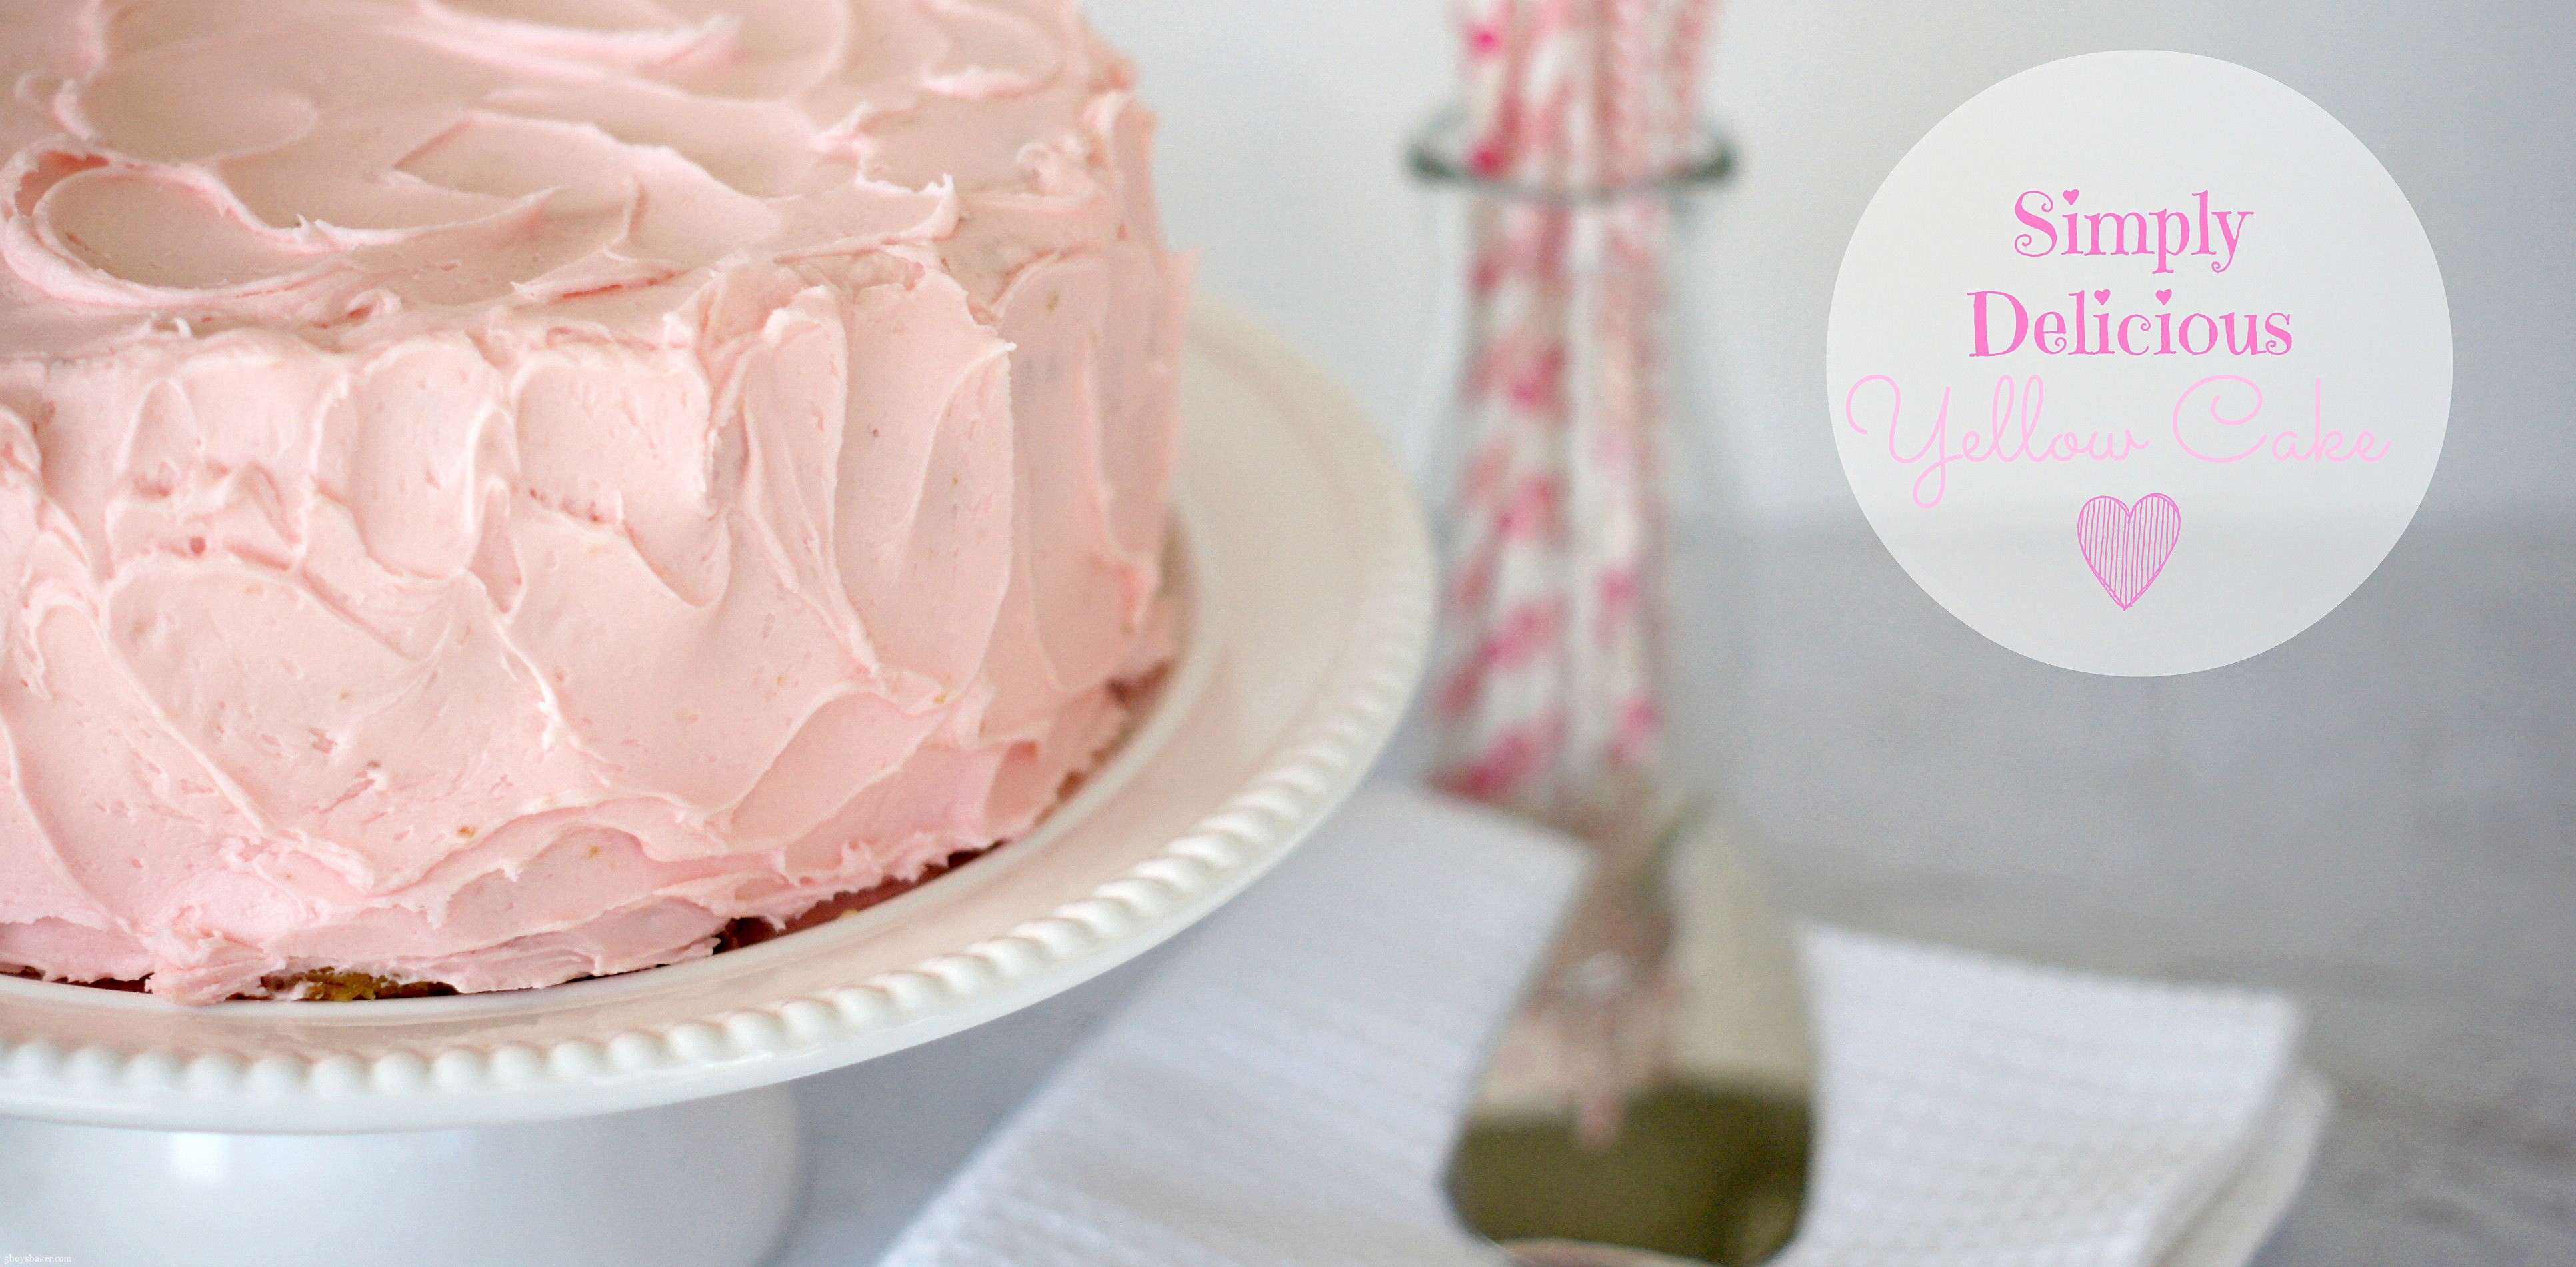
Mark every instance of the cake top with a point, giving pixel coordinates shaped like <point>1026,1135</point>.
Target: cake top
<point>356,170</point>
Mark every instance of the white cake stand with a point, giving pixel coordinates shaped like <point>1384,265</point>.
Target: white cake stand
<point>581,1124</point>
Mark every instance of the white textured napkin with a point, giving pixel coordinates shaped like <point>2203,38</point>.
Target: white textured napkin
<point>1980,1113</point>
<point>1286,1093</point>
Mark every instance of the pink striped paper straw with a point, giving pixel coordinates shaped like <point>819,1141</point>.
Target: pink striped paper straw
<point>1549,694</point>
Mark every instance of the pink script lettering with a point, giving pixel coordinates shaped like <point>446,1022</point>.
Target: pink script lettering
<point>2012,434</point>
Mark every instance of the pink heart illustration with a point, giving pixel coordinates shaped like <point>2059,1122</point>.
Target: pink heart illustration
<point>2101,296</point>
<point>2127,546</point>
<point>2164,296</point>
<point>2070,194</point>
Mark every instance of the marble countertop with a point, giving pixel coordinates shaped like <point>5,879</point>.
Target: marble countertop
<point>2378,818</point>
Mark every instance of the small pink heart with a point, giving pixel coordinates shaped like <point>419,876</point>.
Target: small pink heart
<point>2127,546</point>
<point>2101,296</point>
<point>2070,195</point>
<point>2164,296</point>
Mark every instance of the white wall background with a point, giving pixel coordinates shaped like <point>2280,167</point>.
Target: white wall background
<point>1284,120</point>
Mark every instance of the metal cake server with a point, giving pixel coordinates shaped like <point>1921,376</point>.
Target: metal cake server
<point>1648,1104</point>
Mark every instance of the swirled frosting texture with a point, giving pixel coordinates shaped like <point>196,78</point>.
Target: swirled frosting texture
<point>493,490</point>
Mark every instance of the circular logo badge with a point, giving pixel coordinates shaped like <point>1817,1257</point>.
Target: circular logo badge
<point>2139,363</point>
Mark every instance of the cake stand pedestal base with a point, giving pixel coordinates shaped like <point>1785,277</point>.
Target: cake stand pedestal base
<point>709,1183</point>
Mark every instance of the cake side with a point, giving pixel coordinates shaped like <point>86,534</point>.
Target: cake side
<point>492,493</point>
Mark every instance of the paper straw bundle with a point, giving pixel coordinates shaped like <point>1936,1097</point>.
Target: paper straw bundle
<point>1548,693</point>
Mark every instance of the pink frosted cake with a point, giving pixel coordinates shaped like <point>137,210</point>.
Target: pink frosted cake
<point>501,491</point>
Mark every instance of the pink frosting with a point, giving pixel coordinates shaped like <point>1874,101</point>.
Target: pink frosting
<point>493,490</point>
